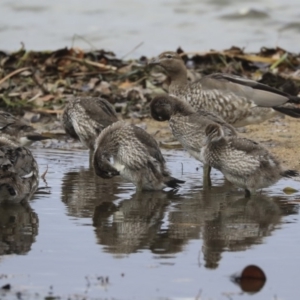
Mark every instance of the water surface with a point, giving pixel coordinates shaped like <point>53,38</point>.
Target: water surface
<point>120,25</point>
<point>100,239</point>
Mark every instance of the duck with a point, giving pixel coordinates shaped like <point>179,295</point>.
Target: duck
<point>239,101</point>
<point>18,129</point>
<point>136,157</point>
<point>187,125</point>
<point>85,117</point>
<point>244,162</point>
<point>19,173</point>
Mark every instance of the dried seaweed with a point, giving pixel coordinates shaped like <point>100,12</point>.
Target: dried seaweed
<point>42,81</point>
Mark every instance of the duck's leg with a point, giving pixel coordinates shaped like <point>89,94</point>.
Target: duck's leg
<point>91,155</point>
<point>247,193</point>
<point>206,176</point>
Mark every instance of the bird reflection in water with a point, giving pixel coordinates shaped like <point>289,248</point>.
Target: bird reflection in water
<point>82,190</point>
<point>241,223</point>
<point>135,222</point>
<point>164,222</point>
<point>18,228</point>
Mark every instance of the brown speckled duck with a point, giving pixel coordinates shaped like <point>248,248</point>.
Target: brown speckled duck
<point>19,130</point>
<point>19,176</point>
<point>187,125</point>
<point>239,101</point>
<point>85,117</point>
<point>243,162</point>
<point>136,157</point>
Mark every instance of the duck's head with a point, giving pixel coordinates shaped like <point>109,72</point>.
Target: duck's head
<point>171,62</point>
<point>161,108</point>
<point>103,167</point>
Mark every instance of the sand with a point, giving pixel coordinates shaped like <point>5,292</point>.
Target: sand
<point>281,135</point>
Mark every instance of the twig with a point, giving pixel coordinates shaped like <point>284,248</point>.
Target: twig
<point>279,61</point>
<point>136,47</point>
<point>75,36</point>
<point>38,83</point>
<point>44,175</point>
<point>35,97</point>
<point>48,111</point>
<point>13,74</point>
<point>92,63</point>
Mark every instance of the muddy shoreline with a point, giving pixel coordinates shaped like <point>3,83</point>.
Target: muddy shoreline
<point>280,135</point>
<point>36,85</point>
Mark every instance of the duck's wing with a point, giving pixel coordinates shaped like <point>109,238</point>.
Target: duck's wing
<point>99,110</point>
<point>89,112</point>
<point>211,117</point>
<point>190,130</point>
<point>149,142</point>
<point>67,122</point>
<point>22,161</point>
<point>248,146</point>
<point>230,86</point>
<point>137,149</point>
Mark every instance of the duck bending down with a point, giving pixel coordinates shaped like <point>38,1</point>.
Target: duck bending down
<point>85,117</point>
<point>19,174</point>
<point>136,157</point>
<point>239,101</point>
<point>187,125</point>
<point>244,162</point>
<point>19,130</point>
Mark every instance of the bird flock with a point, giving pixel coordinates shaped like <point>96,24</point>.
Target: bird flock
<point>203,116</point>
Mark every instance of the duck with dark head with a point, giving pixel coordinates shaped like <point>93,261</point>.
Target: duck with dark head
<point>187,125</point>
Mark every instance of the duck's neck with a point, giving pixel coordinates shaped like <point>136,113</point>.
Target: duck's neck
<point>179,78</point>
<point>182,108</point>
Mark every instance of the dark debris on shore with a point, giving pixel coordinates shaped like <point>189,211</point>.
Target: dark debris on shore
<point>41,82</point>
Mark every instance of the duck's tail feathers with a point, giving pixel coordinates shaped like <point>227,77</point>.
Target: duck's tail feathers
<point>291,174</point>
<point>291,111</point>
<point>173,183</point>
<point>294,99</point>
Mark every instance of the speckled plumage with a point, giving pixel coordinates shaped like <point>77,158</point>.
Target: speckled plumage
<point>136,157</point>
<point>187,125</point>
<point>18,129</point>
<point>233,98</point>
<point>243,162</point>
<point>84,118</point>
<point>19,176</point>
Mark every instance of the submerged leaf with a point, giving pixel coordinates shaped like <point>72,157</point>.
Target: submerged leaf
<point>289,190</point>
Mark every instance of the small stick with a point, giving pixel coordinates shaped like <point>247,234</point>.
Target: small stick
<point>44,175</point>
<point>91,63</point>
<point>38,83</point>
<point>13,74</point>
<point>136,47</point>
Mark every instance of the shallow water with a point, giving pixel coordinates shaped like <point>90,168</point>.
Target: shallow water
<point>100,239</point>
<point>120,25</point>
